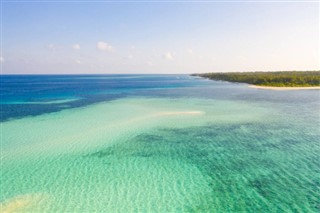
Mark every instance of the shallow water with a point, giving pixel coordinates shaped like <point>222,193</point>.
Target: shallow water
<point>157,144</point>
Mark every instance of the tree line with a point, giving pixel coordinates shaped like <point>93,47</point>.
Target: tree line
<point>278,79</point>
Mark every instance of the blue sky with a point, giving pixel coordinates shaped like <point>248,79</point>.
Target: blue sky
<point>158,37</point>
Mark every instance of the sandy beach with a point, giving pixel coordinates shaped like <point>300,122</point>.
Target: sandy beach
<point>284,88</point>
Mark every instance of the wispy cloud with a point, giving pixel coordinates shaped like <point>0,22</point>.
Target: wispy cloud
<point>189,51</point>
<point>76,46</point>
<point>103,46</point>
<point>78,62</point>
<point>1,59</point>
<point>128,57</point>
<point>52,46</point>
<point>168,56</point>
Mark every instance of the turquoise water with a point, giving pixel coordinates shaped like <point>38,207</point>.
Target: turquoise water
<point>189,145</point>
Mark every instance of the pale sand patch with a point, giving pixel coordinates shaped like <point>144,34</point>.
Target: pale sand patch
<point>21,203</point>
<point>182,113</point>
<point>284,88</point>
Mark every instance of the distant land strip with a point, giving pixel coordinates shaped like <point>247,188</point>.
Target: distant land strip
<point>269,79</point>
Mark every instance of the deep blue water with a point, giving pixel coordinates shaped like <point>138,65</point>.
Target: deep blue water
<point>24,95</point>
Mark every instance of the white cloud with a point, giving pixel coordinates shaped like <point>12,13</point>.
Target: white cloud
<point>103,46</point>
<point>168,56</point>
<point>76,46</point>
<point>1,59</point>
<point>52,47</point>
<point>241,58</point>
<point>128,57</point>
<point>78,62</point>
<point>190,51</point>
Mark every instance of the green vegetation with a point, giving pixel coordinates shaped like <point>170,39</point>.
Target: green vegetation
<point>275,79</point>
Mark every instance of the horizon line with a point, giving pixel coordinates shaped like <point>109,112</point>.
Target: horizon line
<point>2,74</point>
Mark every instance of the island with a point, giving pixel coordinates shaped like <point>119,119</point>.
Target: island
<point>270,80</point>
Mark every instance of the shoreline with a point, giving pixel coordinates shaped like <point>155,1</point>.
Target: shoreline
<point>284,88</point>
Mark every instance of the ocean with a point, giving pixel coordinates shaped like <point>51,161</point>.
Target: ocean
<point>156,143</point>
